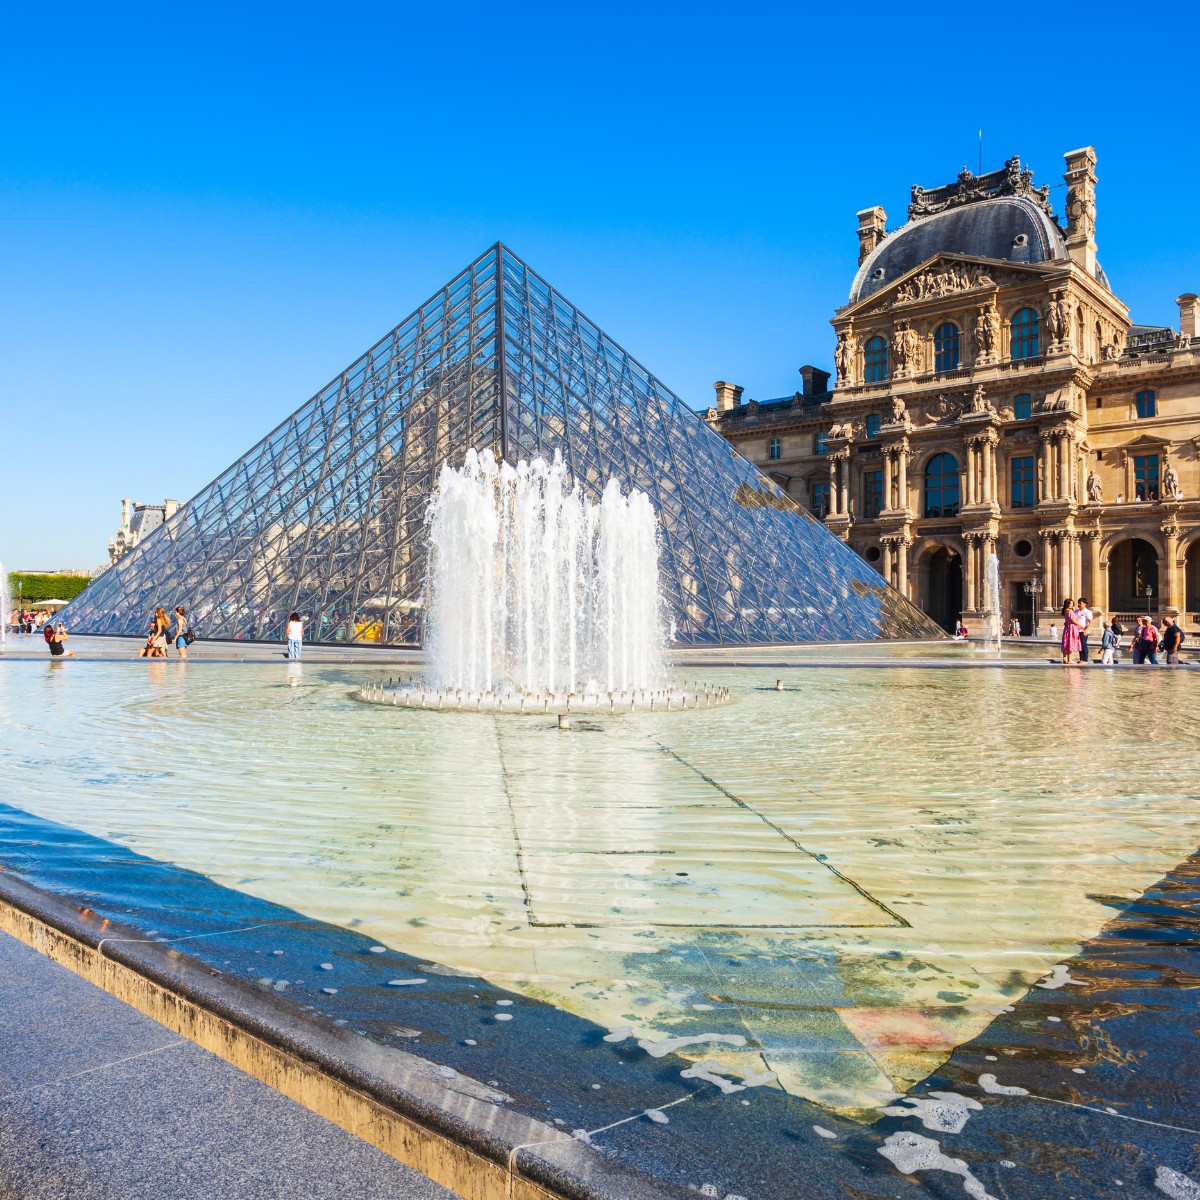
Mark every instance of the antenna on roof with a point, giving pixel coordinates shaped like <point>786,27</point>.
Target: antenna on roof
<point>981,152</point>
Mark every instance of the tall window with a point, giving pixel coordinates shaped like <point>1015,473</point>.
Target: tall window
<point>1145,476</point>
<point>945,347</point>
<point>1022,408</point>
<point>941,486</point>
<point>875,360</point>
<point>1026,334</point>
<point>821,445</point>
<point>1023,475</point>
<point>1147,406</point>
<point>872,494</point>
<point>874,424</point>
<point>820,498</point>
<point>776,448</point>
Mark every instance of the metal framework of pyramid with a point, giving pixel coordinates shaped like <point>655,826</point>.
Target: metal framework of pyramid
<point>326,515</point>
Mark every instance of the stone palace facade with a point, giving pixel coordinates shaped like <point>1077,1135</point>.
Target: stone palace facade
<point>992,396</point>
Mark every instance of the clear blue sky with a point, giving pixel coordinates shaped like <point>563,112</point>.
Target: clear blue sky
<point>209,210</point>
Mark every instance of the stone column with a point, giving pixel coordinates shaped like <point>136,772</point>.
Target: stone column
<point>1093,591</point>
<point>1172,594</point>
<point>1064,467</point>
<point>1047,487</point>
<point>887,483</point>
<point>888,573</point>
<point>969,599</point>
<point>989,464</point>
<point>844,471</point>
<point>1076,566</point>
<point>1048,575</point>
<point>1064,567</point>
<point>834,491</point>
<point>902,567</point>
<point>969,498</point>
<point>902,463</point>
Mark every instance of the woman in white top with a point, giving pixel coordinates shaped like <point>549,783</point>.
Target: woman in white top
<point>295,635</point>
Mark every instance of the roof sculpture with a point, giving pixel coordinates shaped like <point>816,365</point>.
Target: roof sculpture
<point>326,515</point>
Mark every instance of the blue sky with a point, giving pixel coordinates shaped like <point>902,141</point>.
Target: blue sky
<point>207,212</point>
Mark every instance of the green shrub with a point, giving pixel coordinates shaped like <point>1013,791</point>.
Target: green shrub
<point>36,588</point>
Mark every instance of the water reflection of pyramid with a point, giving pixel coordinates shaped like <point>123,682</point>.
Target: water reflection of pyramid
<point>326,514</point>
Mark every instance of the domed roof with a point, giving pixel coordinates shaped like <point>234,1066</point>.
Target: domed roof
<point>1013,228</point>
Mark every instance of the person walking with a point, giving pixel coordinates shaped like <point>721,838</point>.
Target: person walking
<point>1146,642</point>
<point>156,640</point>
<point>181,628</point>
<point>1085,616</point>
<point>1108,645</point>
<point>1118,633</point>
<point>1072,623</point>
<point>1172,639</point>
<point>295,635</point>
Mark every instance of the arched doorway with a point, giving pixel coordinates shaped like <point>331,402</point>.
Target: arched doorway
<point>1192,582</point>
<point>944,593</point>
<point>1132,568</point>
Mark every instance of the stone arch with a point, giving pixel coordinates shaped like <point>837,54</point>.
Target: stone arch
<point>1133,560</point>
<point>940,582</point>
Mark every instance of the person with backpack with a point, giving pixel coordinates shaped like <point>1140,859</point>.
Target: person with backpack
<point>1107,646</point>
<point>295,635</point>
<point>1118,632</point>
<point>1172,639</point>
<point>183,633</point>
<point>1145,642</point>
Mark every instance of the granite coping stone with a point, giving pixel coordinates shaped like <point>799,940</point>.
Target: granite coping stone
<point>461,1109</point>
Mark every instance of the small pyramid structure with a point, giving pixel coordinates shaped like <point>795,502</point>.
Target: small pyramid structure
<point>326,515</point>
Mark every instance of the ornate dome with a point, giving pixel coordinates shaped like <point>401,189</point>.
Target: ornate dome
<point>1000,215</point>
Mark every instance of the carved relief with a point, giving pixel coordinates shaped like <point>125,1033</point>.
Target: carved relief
<point>1058,320</point>
<point>987,331</point>
<point>947,280</point>
<point>978,402</point>
<point>904,346</point>
<point>1010,180</point>
<point>1095,490</point>
<point>1081,208</point>
<point>843,357</point>
<point>899,414</point>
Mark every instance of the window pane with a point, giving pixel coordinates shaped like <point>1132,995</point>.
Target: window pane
<point>1022,408</point>
<point>776,448</point>
<point>875,360</point>
<point>941,486</point>
<point>820,499</point>
<point>1146,406</point>
<point>872,494</point>
<point>945,348</point>
<point>1026,334</point>
<point>874,424</point>
<point>1022,482</point>
<point>1145,476</point>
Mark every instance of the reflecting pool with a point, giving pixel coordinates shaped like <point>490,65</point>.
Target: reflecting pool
<point>825,889</point>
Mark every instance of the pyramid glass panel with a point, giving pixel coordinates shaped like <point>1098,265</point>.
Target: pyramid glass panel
<point>326,515</point>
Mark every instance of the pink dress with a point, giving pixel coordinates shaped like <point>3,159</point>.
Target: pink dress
<point>1070,635</point>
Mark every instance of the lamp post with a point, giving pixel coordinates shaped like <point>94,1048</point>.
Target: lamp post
<point>1033,589</point>
<point>1149,593</point>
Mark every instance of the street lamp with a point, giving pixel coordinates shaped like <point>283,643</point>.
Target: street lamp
<point>1149,593</point>
<point>1033,589</point>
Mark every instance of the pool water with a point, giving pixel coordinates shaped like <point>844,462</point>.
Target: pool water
<point>835,885</point>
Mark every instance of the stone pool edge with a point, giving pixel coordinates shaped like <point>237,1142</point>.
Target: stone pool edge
<point>446,1129</point>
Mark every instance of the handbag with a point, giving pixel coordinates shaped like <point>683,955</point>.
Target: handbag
<point>189,635</point>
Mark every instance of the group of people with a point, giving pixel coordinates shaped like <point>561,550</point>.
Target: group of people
<point>28,620</point>
<point>1147,639</point>
<point>162,631</point>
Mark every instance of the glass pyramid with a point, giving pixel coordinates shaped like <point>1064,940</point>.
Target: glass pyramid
<point>326,515</point>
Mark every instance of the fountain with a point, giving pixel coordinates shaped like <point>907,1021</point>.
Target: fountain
<point>991,606</point>
<point>540,600</point>
<point>5,605</point>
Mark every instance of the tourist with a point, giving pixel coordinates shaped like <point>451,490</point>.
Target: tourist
<point>156,639</point>
<point>1053,631</point>
<point>1172,639</point>
<point>1084,614</point>
<point>1108,645</point>
<point>1070,634</point>
<point>1145,642</point>
<point>295,635</point>
<point>181,628</point>
<point>56,639</point>
<point>1118,633</point>
<point>1014,627</point>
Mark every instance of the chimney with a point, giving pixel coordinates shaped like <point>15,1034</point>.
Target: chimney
<point>729,395</point>
<point>872,229</point>
<point>126,513</point>
<point>1187,315</point>
<point>169,509</point>
<point>816,382</point>
<point>1081,207</point>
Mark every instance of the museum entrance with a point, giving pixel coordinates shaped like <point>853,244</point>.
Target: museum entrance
<point>1020,605</point>
<point>1132,568</point>
<point>944,594</point>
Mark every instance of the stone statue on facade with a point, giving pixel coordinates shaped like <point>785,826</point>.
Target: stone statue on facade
<point>1170,484</point>
<point>1095,490</point>
<point>841,358</point>
<point>904,345</point>
<point>899,413</point>
<point>1058,319</point>
<point>986,331</point>
<point>979,402</point>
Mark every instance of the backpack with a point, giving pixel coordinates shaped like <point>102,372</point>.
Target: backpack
<point>189,635</point>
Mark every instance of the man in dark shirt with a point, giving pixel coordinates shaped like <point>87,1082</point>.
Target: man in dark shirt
<point>1172,639</point>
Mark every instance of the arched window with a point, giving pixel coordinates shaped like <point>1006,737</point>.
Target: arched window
<point>874,424</point>
<point>1026,334</point>
<point>945,347</point>
<point>941,486</point>
<point>875,360</point>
